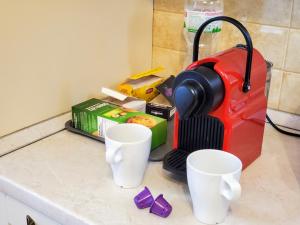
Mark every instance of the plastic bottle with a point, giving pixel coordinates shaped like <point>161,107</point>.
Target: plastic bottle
<point>197,12</point>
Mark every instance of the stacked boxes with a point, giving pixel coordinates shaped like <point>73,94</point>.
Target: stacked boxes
<point>95,116</point>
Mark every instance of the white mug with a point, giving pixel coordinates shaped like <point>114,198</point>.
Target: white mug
<point>127,151</point>
<point>213,180</point>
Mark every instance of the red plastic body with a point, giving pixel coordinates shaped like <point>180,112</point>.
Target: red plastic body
<point>243,114</point>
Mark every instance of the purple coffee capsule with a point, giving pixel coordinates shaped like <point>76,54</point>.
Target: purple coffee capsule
<point>144,199</point>
<point>161,207</point>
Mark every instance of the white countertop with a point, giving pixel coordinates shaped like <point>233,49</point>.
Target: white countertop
<point>66,177</point>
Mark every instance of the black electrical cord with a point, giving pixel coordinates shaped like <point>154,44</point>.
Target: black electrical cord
<point>281,130</point>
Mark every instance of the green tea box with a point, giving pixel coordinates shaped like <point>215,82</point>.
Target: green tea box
<point>95,116</point>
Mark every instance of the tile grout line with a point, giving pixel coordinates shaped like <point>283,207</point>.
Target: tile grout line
<point>280,89</point>
<point>277,68</point>
<point>288,71</point>
<point>292,10</point>
<point>288,37</point>
<point>170,12</point>
<point>152,50</point>
<point>284,71</point>
<point>171,49</point>
<point>246,21</point>
<point>179,51</point>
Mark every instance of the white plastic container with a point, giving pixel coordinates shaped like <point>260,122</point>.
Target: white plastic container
<point>196,13</point>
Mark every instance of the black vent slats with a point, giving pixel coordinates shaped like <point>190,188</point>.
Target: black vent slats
<point>175,162</point>
<point>200,132</point>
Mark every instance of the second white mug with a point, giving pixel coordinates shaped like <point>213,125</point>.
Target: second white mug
<point>213,180</point>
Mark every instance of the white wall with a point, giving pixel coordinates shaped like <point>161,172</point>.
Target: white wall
<point>55,53</point>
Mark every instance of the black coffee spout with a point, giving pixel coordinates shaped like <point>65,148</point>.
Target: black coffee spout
<point>197,91</point>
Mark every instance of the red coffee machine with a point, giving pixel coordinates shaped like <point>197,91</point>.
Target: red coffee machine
<point>220,102</point>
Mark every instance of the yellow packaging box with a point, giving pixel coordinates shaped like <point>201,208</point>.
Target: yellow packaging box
<point>142,85</point>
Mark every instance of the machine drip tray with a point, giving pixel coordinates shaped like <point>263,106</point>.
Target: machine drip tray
<point>175,162</point>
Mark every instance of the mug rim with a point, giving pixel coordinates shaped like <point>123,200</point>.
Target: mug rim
<point>189,165</point>
<point>147,129</point>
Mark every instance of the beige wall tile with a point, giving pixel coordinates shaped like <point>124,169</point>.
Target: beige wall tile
<point>290,92</point>
<point>236,9</point>
<point>292,62</point>
<point>269,40</point>
<point>296,14</point>
<point>271,12</point>
<point>171,60</point>
<point>275,88</point>
<point>229,37</point>
<point>168,30</point>
<point>176,6</point>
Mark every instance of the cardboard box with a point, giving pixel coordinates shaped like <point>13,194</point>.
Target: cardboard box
<point>142,85</point>
<point>161,107</point>
<point>95,116</point>
<point>117,98</point>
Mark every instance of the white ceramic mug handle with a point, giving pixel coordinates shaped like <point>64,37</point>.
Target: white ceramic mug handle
<point>114,154</point>
<point>230,188</point>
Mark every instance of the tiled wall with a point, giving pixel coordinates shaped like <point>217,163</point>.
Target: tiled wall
<point>275,29</point>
